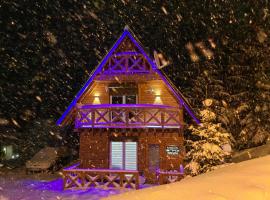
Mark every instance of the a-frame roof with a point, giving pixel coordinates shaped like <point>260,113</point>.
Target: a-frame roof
<point>128,33</point>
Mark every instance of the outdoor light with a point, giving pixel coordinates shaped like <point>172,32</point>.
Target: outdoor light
<point>158,99</point>
<point>96,99</point>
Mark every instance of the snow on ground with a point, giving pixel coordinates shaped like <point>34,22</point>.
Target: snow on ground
<point>15,185</point>
<point>245,180</point>
<point>249,180</point>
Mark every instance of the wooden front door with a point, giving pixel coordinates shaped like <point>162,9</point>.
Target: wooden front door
<point>153,161</point>
<point>153,157</point>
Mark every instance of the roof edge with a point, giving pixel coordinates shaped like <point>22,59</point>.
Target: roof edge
<point>131,35</point>
<point>92,76</point>
<point>164,78</point>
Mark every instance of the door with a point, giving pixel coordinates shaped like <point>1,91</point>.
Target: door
<point>118,115</point>
<point>123,155</point>
<point>153,157</point>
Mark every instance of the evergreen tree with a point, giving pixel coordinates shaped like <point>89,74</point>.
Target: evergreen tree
<point>207,145</point>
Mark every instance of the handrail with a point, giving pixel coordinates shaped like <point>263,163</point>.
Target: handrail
<point>124,106</point>
<point>128,116</point>
<point>102,170</point>
<point>84,178</point>
<point>169,176</point>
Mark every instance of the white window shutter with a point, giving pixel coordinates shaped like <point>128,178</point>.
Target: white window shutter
<point>131,155</point>
<point>123,155</point>
<point>117,155</point>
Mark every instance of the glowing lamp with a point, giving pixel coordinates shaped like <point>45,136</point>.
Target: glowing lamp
<point>158,99</point>
<point>96,99</point>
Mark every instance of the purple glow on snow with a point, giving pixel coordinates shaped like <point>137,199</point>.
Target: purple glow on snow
<point>56,186</point>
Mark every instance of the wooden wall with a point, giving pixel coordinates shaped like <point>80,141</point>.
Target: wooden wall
<point>146,96</point>
<point>167,162</point>
<point>94,148</point>
<point>99,94</point>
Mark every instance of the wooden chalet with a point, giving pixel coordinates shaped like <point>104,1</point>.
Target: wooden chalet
<point>129,117</point>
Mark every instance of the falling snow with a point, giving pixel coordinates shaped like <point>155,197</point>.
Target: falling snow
<point>216,52</point>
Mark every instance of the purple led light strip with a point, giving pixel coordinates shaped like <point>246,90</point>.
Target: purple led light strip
<point>100,66</point>
<point>124,106</point>
<point>164,79</point>
<point>92,76</point>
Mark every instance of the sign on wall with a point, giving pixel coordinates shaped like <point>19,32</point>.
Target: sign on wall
<point>172,150</point>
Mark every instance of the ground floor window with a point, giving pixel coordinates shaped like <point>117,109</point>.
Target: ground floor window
<point>123,155</point>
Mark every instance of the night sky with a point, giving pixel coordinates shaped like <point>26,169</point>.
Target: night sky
<point>217,49</point>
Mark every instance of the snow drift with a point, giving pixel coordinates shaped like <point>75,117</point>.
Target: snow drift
<point>245,180</point>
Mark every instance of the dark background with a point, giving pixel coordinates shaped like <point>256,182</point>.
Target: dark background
<point>217,49</point>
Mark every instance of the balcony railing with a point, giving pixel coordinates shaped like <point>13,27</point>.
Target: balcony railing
<point>127,62</point>
<point>127,116</point>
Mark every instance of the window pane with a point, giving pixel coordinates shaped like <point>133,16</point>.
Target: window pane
<point>116,155</point>
<point>131,99</point>
<point>131,155</point>
<point>117,99</point>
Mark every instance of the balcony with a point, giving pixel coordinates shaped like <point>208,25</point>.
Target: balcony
<point>127,116</point>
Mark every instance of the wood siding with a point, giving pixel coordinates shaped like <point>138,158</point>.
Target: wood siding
<point>97,94</point>
<point>167,162</point>
<point>150,92</point>
<point>94,148</point>
<point>95,151</point>
<point>156,92</point>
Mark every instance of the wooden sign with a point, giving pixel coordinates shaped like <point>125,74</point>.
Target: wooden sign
<point>172,150</point>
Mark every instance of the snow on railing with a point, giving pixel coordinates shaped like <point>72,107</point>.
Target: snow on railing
<point>169,176</point>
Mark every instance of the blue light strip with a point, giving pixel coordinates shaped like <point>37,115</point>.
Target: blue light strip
<point>164,79</point>
<point>96,71</point>
<point>100,66</point>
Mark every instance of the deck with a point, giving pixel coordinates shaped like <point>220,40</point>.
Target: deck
<point>105,178</point>
<point>111,178</point>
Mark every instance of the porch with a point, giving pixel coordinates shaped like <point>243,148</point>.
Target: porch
<point>110,178</point>
<point>128,116</point>
<point>105,178</point>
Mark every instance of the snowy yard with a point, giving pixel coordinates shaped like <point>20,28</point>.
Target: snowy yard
<point>249,180</point>
<point>245,180</point>
<point>14,184</point>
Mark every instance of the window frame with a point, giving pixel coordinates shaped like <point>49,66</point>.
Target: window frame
<point>124,98</point>
<point>123,153</point>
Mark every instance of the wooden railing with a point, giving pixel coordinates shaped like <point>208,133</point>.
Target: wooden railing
<point>127,116</point>
<point>104,178</point>
<point>165,177</point>
<point>127,62</point>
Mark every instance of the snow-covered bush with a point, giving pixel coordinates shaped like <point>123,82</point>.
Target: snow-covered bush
<point>205,145</point>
